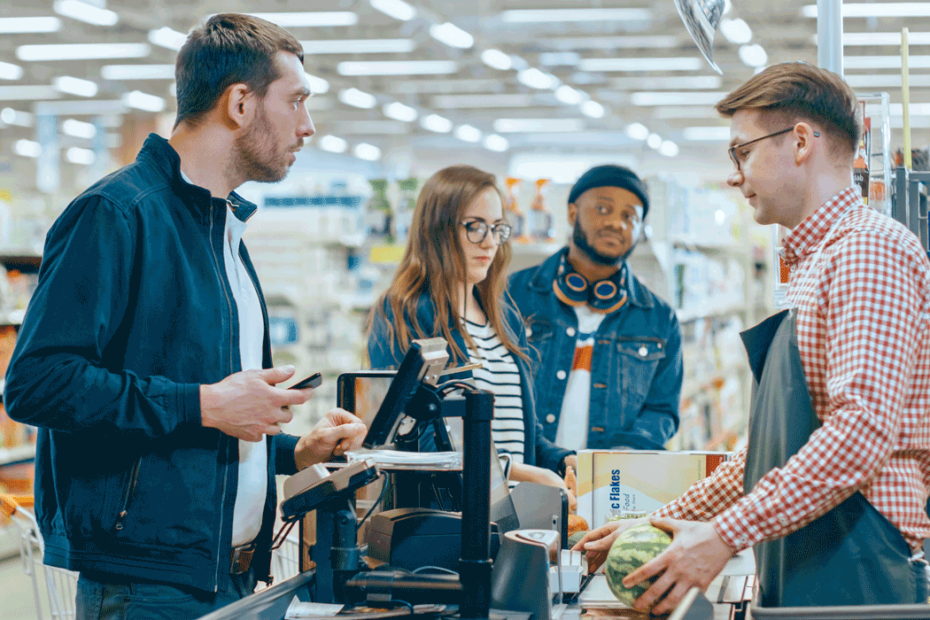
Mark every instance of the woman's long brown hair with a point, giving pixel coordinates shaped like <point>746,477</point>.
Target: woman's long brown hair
<point>433,264</point>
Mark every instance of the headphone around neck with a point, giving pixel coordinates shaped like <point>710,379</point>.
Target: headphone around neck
<point>604,296</point>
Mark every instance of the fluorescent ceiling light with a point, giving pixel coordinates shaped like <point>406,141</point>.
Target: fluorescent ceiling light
<point>367,151</point>
<point>706,134</point>
<point>84,12</point>
<point>496,59</point>
<point>567,94</point>
<point>10,71</point>
<point>612,43</point>
<point>684,111</point>
<point>727,6</point>
<point>534,78</point>
<point>753,55</point>
<point>878,9</point>
<point>398,67</point>
<point>641,64</point>
<point>524,16</point>
<point>673,83</point>
<point>680,98</point>
<point>592,109</point>
<point>173,89</point>
<point>434,122</point>
<point>914,109</point>
<point>314,19</point>
<point>143,101</point>
<point>883,38</point>
<point>77,155</point>
<point>82,51</point>
<point>890,80</point>
<point>736,31</point>
<point>398,9</point>
<point>359,46</point>
<point>400,112</point>
<point>559,59</point>
<point>468,133</point>
<point>26,93</point>
<point>508,100</point>
<point>78,129</point>
<point>637,131</point>
<point>27,148</point>
<point>537,125</point>
<point>333,144</point>
<point>497,143</point>
<point>885,62</point>
<point>21,25</point>
<point>451,35</point>
<point>356,98</point>
<point>318,85</point>
<point>668,148</point>
<point>166,37</point>
<point>9,116</point>
<point>137,72</point>
<point>654,141</point>
<point>75,86</point>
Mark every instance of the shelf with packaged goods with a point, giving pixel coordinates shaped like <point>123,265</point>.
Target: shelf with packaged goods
<point>694,314</point>
<point>24,260</point>
<point>17,454</point>
<point>692,387</point>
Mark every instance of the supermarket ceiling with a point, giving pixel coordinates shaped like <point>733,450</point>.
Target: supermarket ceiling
<point>506,75</point>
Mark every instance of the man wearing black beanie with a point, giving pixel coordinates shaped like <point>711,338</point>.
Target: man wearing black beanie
<point>608,368</point>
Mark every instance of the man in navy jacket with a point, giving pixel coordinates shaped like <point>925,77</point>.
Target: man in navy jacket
<point>144,356</point>
<point>609,370</point>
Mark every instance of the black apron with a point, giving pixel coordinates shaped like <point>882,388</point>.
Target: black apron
<point>852,555</point>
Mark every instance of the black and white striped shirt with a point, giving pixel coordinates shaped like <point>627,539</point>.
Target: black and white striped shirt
<point>501,377</point>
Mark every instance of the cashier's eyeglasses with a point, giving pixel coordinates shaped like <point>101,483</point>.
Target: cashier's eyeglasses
<point>735,157</point>
<point>477,231</point>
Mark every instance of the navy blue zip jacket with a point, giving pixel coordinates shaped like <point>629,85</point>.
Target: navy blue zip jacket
<point>133,311</point>
<point>537,450</point>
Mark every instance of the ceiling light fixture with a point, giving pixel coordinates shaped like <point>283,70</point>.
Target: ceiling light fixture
<point>706,134</point>
<point>318,85</point>
<point>451,35</point>
<point>366,151</point>
<point>84,12</point>
<point>75,86</point>
<point>26,93</point>
<point>885,62</point>
<point>397,67</point>
<point>143,101</point>
<point>880,9</point>
<point>78,129</point>
<point>312,19</point>
<point>637,131</point>
<point>736,31</point>
<point>668,148</point>
<point>496,59</point>
<point>754,55</point>
<point>641,64</point>
<point>494,142</point>
<point>398,9</point>
<point>436,123</point>
<point>333,144</point>
<point>538,125</point>
<point>883,38</point>
<point>534,78</point>
<point>674,83</point>
<point>9,116</point>
<point>10,71</point>
<point>400,112</point>
<point>890,80</point>
<point>82,51</point>
<point>615,43</point>
<point>168,38</point>
<point>27,148</point>
<point>567,94</point>
<point>523,16</point>
<point>23,25</point>
<point>359,46</point>
<point>654,141</point>
<point>468,133</point>
<point>82,157</point>
<point>356,98</point>
<point>679,98</point>
<point>559,59</point>
<point>137,72</point>
<point>592,109</point>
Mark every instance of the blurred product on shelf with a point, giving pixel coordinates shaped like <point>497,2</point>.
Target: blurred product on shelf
<point>541,224</point>
<point>512,211</point>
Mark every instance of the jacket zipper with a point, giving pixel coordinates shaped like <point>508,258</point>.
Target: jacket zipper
<point>130,489</point>
<point>219,274</point>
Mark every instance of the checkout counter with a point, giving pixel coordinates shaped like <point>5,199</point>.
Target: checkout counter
<point>499,555</point>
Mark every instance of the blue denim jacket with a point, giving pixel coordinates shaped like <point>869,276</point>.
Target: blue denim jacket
<point>384,354</point>
<point>636,371</point>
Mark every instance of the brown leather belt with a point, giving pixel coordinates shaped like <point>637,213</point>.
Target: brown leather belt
<point>241,558</point>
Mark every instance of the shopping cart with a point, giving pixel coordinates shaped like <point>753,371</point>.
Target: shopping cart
<point>285,560</point>
<point>60,584</point>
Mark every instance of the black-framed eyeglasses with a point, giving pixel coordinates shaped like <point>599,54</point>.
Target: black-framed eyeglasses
<point>477,231</point>
<point>732,150</point>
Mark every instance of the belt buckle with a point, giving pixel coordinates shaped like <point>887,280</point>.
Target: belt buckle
<point>240,559</point>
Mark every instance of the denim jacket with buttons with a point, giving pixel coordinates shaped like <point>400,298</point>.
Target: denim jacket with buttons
<point>636,372</point>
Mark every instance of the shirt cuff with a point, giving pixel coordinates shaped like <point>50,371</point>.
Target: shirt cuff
<point>734,528</point>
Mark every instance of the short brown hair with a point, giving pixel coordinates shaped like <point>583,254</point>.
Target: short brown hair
<point>231,48</point>
<point>796,91</point>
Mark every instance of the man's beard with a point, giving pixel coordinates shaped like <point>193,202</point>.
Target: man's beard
<point>580,239</point>
<point>256,156</point>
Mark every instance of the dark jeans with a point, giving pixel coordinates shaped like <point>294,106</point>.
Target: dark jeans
<point>108,600</point>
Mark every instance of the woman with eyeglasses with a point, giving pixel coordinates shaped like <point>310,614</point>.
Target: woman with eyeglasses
<point>451,284</point>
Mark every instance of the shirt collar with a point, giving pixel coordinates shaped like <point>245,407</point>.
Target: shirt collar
<point>804,238</point>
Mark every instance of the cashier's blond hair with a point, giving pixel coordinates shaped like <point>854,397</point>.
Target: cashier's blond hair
<point>793,92</point>
<point>433,264</point>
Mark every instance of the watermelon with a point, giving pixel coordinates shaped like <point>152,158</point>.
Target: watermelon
<point>633,548</point>
<point>574,538</point>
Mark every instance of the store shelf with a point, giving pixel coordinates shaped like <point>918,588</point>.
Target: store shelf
<point>703,313</point>
<point>23,260</point>
<point>693,387</point>
<point>17,454</point>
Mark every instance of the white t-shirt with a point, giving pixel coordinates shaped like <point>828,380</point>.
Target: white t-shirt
<point>572,433</point>
<point>500,376</point>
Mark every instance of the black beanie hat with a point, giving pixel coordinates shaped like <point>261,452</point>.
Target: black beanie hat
<point>610,175</point>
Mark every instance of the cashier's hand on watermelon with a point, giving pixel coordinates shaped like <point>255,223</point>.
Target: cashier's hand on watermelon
<point>697,554</point>
<point>596,543</point>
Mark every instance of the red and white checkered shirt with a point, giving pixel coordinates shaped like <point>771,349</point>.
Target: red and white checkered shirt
<point>863,323</point>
